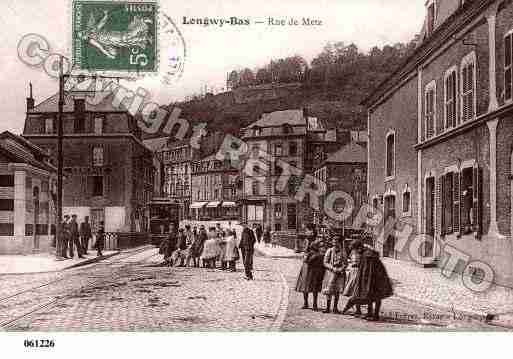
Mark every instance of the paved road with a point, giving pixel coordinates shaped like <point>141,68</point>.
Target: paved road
<point>130,292</point>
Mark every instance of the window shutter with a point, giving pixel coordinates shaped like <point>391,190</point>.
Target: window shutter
<point>439,225</point>
<point>477,200</point>
<point>507,67</point>
<point>456,203</point>
<point>448,202</point>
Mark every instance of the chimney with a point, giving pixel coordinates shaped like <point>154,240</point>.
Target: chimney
<point>30,99</point>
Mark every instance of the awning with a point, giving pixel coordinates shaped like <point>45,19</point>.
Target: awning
<point>197,205</point>
<point>213,204</point>
<point>229,204</point>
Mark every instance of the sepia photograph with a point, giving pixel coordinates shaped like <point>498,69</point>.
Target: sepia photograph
<point>293,167</point>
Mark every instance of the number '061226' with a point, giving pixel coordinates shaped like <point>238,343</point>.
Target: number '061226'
<point>39,343</point>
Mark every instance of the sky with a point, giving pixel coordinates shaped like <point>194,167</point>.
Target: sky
<point>212,51</point>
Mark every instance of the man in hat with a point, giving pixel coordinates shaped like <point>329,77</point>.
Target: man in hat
<point>247,248</point>
<point>85,234</point>
<point>74,237</point>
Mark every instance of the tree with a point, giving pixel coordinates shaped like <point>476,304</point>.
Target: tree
<point>247,77</point>
<point>233,80</point>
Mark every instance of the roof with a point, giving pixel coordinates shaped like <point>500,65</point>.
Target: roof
<point>20,150</point>
<point>106,105</point>
<point>350,153</point>
<point>450,19</point>
<point>156,144</point>
<point>279,118</point>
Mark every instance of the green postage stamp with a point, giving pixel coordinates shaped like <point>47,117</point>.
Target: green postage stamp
<point>115,36</point>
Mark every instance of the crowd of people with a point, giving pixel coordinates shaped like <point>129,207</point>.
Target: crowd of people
<point>216,248</point>
<point>74,238</point>
<point>358,275</point>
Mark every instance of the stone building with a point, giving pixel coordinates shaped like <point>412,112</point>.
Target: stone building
<point>215,190</point>
<point>278,142</point>
<point>344,170</point>
<point>109,172</point>
<point>27,196</point>
<point>440,150</point>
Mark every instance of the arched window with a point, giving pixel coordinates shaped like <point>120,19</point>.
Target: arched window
<point>390,154</point>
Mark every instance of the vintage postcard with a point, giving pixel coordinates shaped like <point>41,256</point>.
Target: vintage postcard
<point>238,166</point>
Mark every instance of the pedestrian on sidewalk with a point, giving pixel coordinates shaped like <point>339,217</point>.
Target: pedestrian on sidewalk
<point>189,239</point>
<point>100,239</point>
<point>311,274</point>
<point>196,248</point>
<point>74,238</point>
<point>210,249</point>
<point>267,236</point>
<point>203,236</point>
<point>64,237</point>
<point>247,248</point>
<point>355,257</point>
<point>231,251</point>
<point>85,234</point>
<point>259,232</point>
<point>180,255</point>
<point>372,284</point>
<point>335,262</point>
<point>221,236</point>
<point>169,246</point>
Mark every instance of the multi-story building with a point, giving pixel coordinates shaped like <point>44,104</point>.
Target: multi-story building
<point>27,196</point>
<point>281,139</point>
<point>215,190</point>
<point>108,171</point>
<point>440,150</point>
<point>344,170</point>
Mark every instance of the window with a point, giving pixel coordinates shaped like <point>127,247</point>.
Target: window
<point>278,187</point>
<point>430,110</point>
<point>6,180</point>
<point>468,93</point>
<point>375,203</point>
<point>97,186</point>
<point>277,210</point>
<point>406,201</point>
<point>471,200</point>
<point>255,188</point>
<point>292,149</point>
<point>390,155</point>
<point>430,205</point>
<point>447,202</point>
<point>98,125</point>
<point>278,149</point>
<point>450,99</point>
<point>49,125</point>
<point>291,216</point>
<point>97,156</point>
<point>431,16</point>
<point>508,72</point>
<point>277,227</point>
<point>6,204</point>
<point>278,170</point>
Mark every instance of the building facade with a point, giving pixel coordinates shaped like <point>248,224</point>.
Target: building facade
<point>281,144</point>
<point>345,171</point>
<point>440,137</point>
<point>27,197</point>
<point>109,173</point>
<point>216,190</point>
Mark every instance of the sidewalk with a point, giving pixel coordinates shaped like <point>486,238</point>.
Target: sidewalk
<point>428,286</point>
<point>45,262</point>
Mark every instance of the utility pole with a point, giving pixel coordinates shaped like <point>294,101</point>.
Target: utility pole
<point>58,232</point>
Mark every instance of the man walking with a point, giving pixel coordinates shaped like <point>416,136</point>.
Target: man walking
<point>65,236</point>
<point>100,239</point>
<point>85,234</point>
<point>247,248</point>
<point>74,237</point>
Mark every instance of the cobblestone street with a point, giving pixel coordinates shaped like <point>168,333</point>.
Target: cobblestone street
<point>131,292</point>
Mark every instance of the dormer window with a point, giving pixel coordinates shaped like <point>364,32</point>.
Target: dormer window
<point>431,17</point>
<point>98,125</point>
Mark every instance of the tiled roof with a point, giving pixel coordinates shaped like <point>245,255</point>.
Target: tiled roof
<point>22,151</point>
<point>278,118</point>
<point>106,104</point>
<point>350,153</point>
